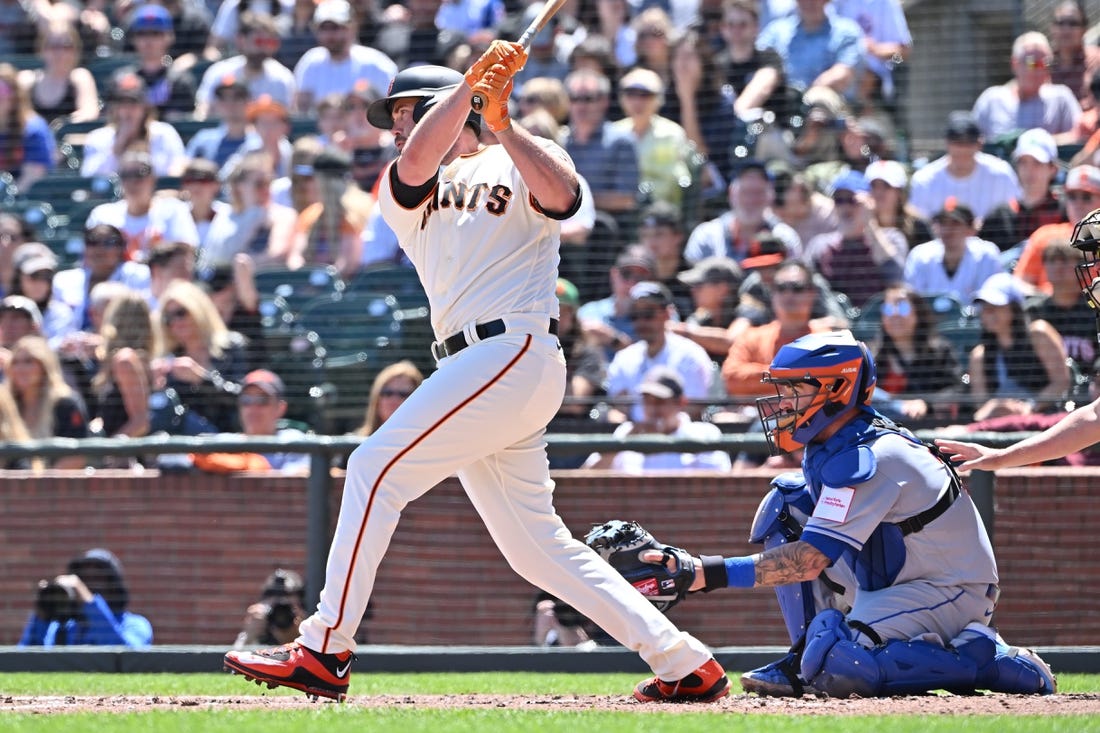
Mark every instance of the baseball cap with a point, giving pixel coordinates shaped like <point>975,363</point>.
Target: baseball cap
<point>962,126</point>
<point>649,290</point>
<point>265,104</point>
<point>853,181</point>
<point>567,293</point>
<point>151,18</point>
<point>766,249</point>
<point>200,169</point>
<point>332,11</point>
<point>31,251</point>
<point>266,380</point>
<point>1000,289</point>
<point>641,80</point>
<point>890,172</point>
<point>952,209</point>
<point>38,263</point>
<point>1083,178</point>
<point>231,83</point>
<point>663,214</point>
<point>126,86</point>
<point>746,165</point>
<point>364,91</point>
<point>1038,143</point>
<point>22,304</point>
<point>636,256</point>
<point>663,383</point>
<point>717,269</point>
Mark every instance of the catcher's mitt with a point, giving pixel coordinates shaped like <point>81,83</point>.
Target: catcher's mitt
<point>621,545</point>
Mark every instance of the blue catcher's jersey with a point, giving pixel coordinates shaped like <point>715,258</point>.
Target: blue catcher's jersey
<point>870,476</point>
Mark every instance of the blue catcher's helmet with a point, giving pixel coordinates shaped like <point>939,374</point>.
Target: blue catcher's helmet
<point>841,369</point>
<point>428,84</point>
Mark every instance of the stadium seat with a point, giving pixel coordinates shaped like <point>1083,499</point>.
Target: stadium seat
<point>24,61</point>
<point>963,335</point>
<point>295,288</point>
<point>866,325</point>
<point>63,129</point>
<point>300,126</point>
<point>402,282</point>
<point>64,189</point>
<point>104,67</point>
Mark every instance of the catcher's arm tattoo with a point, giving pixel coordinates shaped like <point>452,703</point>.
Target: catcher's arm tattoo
<point>791,563</point>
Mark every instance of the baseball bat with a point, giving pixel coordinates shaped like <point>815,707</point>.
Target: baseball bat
<point>549,10</point>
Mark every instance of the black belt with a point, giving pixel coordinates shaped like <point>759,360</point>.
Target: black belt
<point>920,521</point>
<point>456,343</point>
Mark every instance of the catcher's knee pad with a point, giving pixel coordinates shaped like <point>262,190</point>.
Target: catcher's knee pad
<point>1000,667</point>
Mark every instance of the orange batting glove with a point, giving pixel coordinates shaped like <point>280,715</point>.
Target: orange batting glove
<point>511,55</point>
<point>495,87</point>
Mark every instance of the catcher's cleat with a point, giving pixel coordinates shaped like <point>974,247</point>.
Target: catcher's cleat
<point>295,666</point>
<point>1048,684</point>
<point>778,679</point>
<point>706,684</point>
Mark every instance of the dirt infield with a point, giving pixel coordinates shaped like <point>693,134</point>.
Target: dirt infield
<point>989,704</point>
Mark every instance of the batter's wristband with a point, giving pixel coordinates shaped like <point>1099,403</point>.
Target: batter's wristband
<point>714,572</point>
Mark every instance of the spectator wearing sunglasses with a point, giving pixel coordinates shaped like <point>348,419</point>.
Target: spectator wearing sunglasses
<point>1029,99</point>
<point>36,267</point>
<point>390,389</point>
<point>606,322</point>
<point>260,406</point>
<point>104,261</point>
<point>1074,62</point>
<point>1080,195</point>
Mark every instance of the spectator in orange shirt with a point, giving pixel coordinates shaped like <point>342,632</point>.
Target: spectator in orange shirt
<point>1082,195</point>
<point>751,353</point>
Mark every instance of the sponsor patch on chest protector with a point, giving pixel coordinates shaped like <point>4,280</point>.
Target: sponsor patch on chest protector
<point>647,587</point>
<point>834,503</point>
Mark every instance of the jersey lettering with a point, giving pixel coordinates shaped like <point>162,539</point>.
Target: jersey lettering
<point>462,197</point>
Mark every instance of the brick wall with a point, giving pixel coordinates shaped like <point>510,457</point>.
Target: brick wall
<point>196,549</point>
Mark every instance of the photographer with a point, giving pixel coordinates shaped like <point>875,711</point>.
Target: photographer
<point>559,624</point>
<point>275,619</point>
<point>86,605</point>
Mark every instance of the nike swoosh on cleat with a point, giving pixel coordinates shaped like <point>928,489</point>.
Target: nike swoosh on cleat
<point>342,671</point>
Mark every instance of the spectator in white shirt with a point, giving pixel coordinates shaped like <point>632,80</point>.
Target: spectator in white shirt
<point>663,404</point>
<point>258,42</point>
<point>957,262</point>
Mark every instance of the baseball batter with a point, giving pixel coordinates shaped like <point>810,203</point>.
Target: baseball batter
<point>480,223</point>
<point>882,567</point>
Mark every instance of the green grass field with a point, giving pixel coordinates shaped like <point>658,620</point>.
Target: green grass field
<point>332,718</point>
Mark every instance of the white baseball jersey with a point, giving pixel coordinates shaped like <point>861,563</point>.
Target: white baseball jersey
<point>479,242</point>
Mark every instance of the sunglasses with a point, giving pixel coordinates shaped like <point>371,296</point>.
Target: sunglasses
<point>1067,23</point>
<point>585,98</point>
<point>60,46</point>
<point>633,275</point>
<point>1079,196</point>
<point>736,23</point>
<point>108,242</point>
<point>253,400</point>
<point>1035,61</point>
<point>191,180</point>
<point>394,393</point>
<point>644,315</point>
<point>174,315</point>
<point>792,287</point>
<point>135,174</point>
<point>901,308</point>
<point>844,200</point>
<point>42,275</point>
<point>639,93</point>
<point>651,33</point>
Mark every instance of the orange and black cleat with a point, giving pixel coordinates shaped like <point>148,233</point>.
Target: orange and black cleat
<point>706,684</point>
<point>295,666</point>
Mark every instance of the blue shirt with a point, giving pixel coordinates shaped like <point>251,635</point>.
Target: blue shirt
<point>98,626</point>
<point>609,160</point>
<point>807,54</point>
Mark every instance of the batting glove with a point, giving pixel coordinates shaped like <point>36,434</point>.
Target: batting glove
<point>511,55</point>
<point>495,88</point>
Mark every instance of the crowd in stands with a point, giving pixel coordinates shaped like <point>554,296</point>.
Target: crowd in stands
<point>743,186</point>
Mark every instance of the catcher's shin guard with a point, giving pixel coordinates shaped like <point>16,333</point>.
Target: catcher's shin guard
<point>706,684</point>
<point>295,666</point>
<point>1004,668</point>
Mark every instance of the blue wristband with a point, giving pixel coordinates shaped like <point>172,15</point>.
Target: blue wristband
<point>740,572</point>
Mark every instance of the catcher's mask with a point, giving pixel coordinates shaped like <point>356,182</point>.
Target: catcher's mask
<point>428,84</point>
<point>1086,239</point>
<point>838,368</point>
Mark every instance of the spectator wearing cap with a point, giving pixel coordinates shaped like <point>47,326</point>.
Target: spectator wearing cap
<point>168,87</point>
<point>661,231</point>
<point>338,62</point>
<point>359,133</point>
<point>731,234</point>
<point>605,156</point>
<point>1017,360</point>
<point>957,262</point>
<point>889,190</point>
<point>1035,159</point>
<point>142,216</point>
<point>650,311</point>
<point>261,405</point>
<point>662,145</point>
<point>226,26</point>
<point>817,48</point>
<point>585,363</point>
<point>219,144</point>
<point>1029,99</point>
<point>36,270</point>
<point>19,317</point>
<point>131,123</point>
<point>861,258</point>
<point>1080,195</point>
<point>663,412</point>
<point>1065,307</point>
<point>330,231</point>
<point>255,66</point>
<point>270,124</point>
<point>254,224</point>
<point>714,284</point>
<point>792,301</point>
<point>201,190</point>
<point>979,180</point>
<point>298,189</point>
<point>62,88</point>
<point>28,150</point>
<point>606,321</point>
<point>104,260</point>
